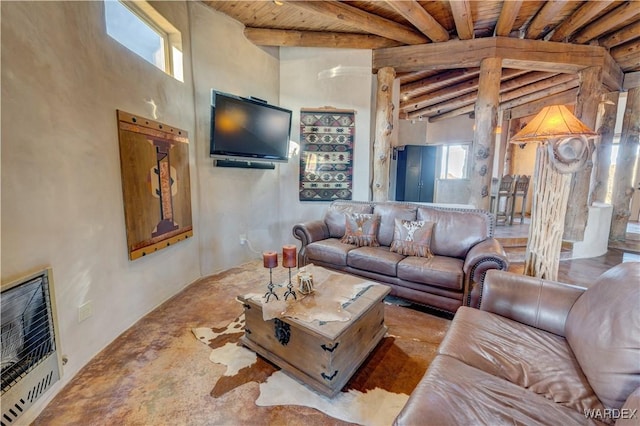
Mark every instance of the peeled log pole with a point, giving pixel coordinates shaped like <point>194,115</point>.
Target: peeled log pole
<point>550,195</point>
<point>484,136</point>
<point>606,129</point>
<point>627,158</point>
<point>384,126</point>
<point>586,110</point>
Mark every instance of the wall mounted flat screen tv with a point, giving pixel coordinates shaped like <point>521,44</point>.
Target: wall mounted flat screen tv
<point>248,129</point>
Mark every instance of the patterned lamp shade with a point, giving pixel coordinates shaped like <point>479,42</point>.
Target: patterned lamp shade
<point>552,122</point>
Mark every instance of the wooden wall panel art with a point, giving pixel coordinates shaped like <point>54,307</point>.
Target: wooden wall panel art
<point>154,160</point>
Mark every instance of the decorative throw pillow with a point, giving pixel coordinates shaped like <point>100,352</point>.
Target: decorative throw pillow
<point>412,238</point>
<point>361,229</point>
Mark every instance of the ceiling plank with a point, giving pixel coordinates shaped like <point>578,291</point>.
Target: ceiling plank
<point>408,77</point>
<point>413,12</point>
<point>539,25</point>
<point>623,35</point>
<point>289,38</point>
<point>461,11</point>
<point>437,81</point>
<point>507,18</point>
<point>522,95</point>
<point>627,52</point>
<point>513,84</point>
<point>359,19</point>
<point>567,97</point>
<point>584,14</point>
<point>617,16</point>
<point>456,90</point>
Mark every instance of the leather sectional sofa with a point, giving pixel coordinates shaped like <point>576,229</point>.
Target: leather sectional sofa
<point>461,242</point>
<point>538,352</point>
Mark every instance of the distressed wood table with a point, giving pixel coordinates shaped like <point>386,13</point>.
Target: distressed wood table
<point>319,339</point>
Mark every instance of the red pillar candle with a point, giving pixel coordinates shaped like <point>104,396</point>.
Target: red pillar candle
<point>270,259</point>
<point>289,256</point>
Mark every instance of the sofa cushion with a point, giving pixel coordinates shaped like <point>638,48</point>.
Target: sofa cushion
<point>374,259</point>
<point>361,229</point>
<point>455,232</point>
<point>440,271</point>
<point>388,215</point>
<point>330,251</point>
<point>412,238</point>
<point>525,356</point>
<point>454,393</point>
<point>602,329</point>
<point>335,215</point>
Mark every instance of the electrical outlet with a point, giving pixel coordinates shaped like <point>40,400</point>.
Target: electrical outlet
<point>85,311</point>
<point>243,239</point>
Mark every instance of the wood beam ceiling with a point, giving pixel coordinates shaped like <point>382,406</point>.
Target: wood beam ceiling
<point>507,17</point>
<point>461,10</point>
<point>539,24</point>
<point>357,18</point>
<point>413,12</point>
<point>625,13</point>
<point>291,38</point>
<point>587,12</point>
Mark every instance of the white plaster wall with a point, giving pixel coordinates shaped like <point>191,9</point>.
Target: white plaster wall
<point>452,130</point>
<point>320,77</point>
<point>233,201</point>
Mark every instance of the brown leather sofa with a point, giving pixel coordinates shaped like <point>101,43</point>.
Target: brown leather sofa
<point>462,243</point>
<point>538,352</point>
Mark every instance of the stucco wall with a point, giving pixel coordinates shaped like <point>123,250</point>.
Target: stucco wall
<point>320,77</point>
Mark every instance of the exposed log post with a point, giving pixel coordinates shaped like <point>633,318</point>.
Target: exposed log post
<point>484,136</point>
<point>627,158</point>
<point>384,127</point>
<point>575,220</point>
<point>607,112</point>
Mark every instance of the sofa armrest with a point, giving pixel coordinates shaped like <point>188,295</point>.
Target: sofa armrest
<point>532,301</point>
<point>309,232</point>
<point>487,254</point>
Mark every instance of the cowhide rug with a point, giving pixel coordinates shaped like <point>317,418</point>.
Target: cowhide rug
<point>374,395</point>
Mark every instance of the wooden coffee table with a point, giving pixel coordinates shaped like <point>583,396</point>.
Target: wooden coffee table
<point>320,339</point>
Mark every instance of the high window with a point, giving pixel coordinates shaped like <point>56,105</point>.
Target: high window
<point>141,29</point>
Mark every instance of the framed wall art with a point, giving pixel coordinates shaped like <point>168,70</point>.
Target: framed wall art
<point>154,159</point>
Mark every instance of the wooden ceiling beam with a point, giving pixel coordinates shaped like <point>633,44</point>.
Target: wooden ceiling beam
<point>523,83</point>
<point>457,90</point>
<point>413,12</point>
<point>627,52</point>
<point>408,77</point>
<point>567,97</point>
<point>438,81</point>
<point>290,38</point>
<point>623,35</point>
<point>349,15</point>
<point>580,17</point>
<point>539,25</point>
<point>534,55</point>
<point>521,96</point>
<point>462,16</point>
<point>624,13</point>
<point>507,18</point>
<point>631,80</point>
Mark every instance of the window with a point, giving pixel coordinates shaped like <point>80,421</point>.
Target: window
<point>453,163</point>
<point>141,29</point>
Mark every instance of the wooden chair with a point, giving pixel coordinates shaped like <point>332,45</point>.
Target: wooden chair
<point>520,189</point>
<point>504,197</point>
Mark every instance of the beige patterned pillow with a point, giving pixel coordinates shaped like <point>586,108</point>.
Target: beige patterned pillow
<point>361,229</point>
<point>412,238</point>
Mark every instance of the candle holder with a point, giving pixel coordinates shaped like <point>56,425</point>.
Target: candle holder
<point>270,286</point>
<point>289,261</point>
<point>270,259</point>
<point>290,291</point>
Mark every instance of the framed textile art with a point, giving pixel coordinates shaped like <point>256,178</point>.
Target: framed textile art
<point>326,154</point>
<point>154,161</point>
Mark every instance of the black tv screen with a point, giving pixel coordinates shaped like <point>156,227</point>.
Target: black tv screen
<point>248,129</point>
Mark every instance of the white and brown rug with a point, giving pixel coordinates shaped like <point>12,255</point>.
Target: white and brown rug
<point>374,395</point>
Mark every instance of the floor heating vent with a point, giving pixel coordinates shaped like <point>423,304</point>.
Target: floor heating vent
<point>30,358</point>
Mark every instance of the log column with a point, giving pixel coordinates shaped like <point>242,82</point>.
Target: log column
<point>627,158</point>
<point>484,136</point>
<point>384,127</point>
<point>607,112</point>
<point>587,111</point>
